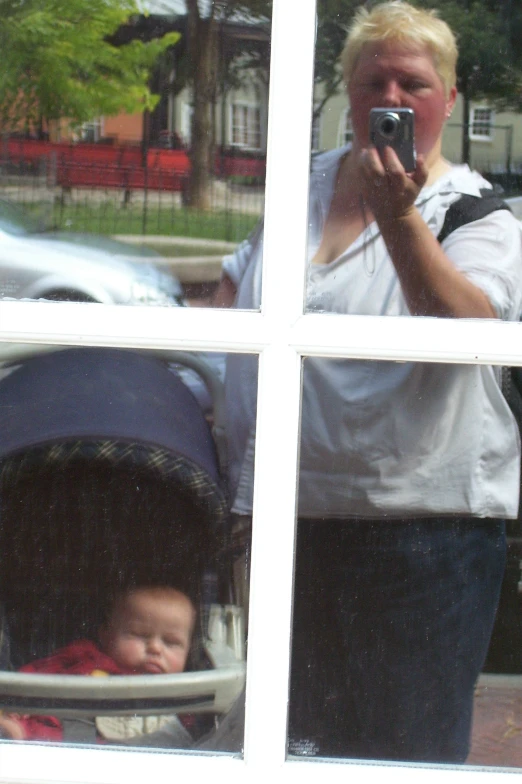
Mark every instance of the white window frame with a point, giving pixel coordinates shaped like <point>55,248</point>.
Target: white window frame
<point>475,121</point>
<point>281,334</point>
<point>249,107</point>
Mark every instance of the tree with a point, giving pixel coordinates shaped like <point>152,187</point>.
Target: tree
<point>333,19</point>
<point>490,54</point>
<point>203,71</point>
<point>58,61</point>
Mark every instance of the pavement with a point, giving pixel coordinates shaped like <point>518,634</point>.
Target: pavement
<point>161,239</point>
<point>187,269</point>
<point>193,269</point>
<point>497,722</point>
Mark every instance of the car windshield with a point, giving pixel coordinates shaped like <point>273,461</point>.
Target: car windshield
<point>14,221</point>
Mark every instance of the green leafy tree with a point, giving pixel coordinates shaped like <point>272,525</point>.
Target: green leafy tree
<point>490,54</point>
<point>333,20</point>
<point>58,61</point>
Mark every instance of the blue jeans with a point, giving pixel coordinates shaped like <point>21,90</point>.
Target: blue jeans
<point>392,622</point>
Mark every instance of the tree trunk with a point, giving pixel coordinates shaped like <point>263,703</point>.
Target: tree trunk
<point>145,137</point>
<point>202,41</point>
<point>466,111</point>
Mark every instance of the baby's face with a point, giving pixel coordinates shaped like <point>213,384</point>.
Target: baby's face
<point>150,633</point>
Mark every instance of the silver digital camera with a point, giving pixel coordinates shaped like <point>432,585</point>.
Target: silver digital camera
<point>395,128</point>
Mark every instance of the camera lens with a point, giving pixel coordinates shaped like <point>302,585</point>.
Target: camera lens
<point>388,125</point>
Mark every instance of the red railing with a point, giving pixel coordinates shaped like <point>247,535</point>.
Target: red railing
<point>239,166</point>
<point>104,166</point>
<point>121,166</point>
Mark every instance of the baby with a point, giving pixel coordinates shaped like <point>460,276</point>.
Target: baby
<point>148,631</point>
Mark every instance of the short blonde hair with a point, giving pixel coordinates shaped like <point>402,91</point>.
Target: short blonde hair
<point>400,22</point>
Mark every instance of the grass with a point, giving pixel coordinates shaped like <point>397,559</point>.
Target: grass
<point>108,218</point>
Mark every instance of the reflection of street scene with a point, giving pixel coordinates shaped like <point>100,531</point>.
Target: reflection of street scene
<point>407,470</point>
<point>39,263</point>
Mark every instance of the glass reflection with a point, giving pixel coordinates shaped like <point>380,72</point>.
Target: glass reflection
<point>145,163</point>
<point>396,227</point>
<point>408,473</point>
<point>114,550</point>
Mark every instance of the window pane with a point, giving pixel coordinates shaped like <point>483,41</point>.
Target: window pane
<point>116,552</point>
<point>126,190</point>
<point>482,122</point>
<point>382,241</point>
<point>405,485</point>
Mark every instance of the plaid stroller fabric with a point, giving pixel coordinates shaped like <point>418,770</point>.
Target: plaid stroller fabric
<point>108,478</point>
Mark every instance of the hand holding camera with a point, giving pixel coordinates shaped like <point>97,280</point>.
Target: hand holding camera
<point>392,174</point>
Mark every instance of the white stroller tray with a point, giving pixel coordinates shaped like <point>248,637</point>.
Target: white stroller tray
<point>206,691</point>
<point>122,695</point>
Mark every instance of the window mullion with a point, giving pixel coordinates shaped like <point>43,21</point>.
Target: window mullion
<point>284,252</point>
<point>288,160</point>
<point>272,557</point>
<point>68,323</point>
<point>485,341</point>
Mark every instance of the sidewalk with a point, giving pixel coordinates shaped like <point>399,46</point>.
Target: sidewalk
<point>497,722</point>
<point>187,269</point>
<point>217,246</point>
<point>193,269</point>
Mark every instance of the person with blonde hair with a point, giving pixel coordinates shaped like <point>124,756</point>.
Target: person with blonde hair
<point>402,23</point>
<point>407,470</point>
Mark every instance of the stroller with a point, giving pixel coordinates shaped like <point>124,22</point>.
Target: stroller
<point>110,477</point>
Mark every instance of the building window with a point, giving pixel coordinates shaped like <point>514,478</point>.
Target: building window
<point>245,126</point>
<point>186,122</point>
<point>91,131</point>
<point>481,124</point>
<point>345,132</point>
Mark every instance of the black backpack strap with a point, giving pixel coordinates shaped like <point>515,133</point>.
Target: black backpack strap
<point>471,208</point>
<point>466,210</point>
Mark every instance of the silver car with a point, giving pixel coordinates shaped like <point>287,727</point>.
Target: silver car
<point>36,264</point>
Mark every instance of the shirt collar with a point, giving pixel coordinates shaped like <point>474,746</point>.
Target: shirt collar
<point>459,179</point>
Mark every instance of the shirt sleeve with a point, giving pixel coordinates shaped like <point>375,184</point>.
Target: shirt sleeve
<point>41,728</point>
<point>489,253</point>
<point>235,264</point>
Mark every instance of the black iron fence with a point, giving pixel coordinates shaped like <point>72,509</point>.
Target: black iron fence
<point>148,209</point>
<point>496,154</point>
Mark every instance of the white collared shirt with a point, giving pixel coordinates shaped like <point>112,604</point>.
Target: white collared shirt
<point>386,438</point>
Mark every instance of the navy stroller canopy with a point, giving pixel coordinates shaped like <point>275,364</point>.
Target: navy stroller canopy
<point>108,476</point>
<point>93,395</point>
